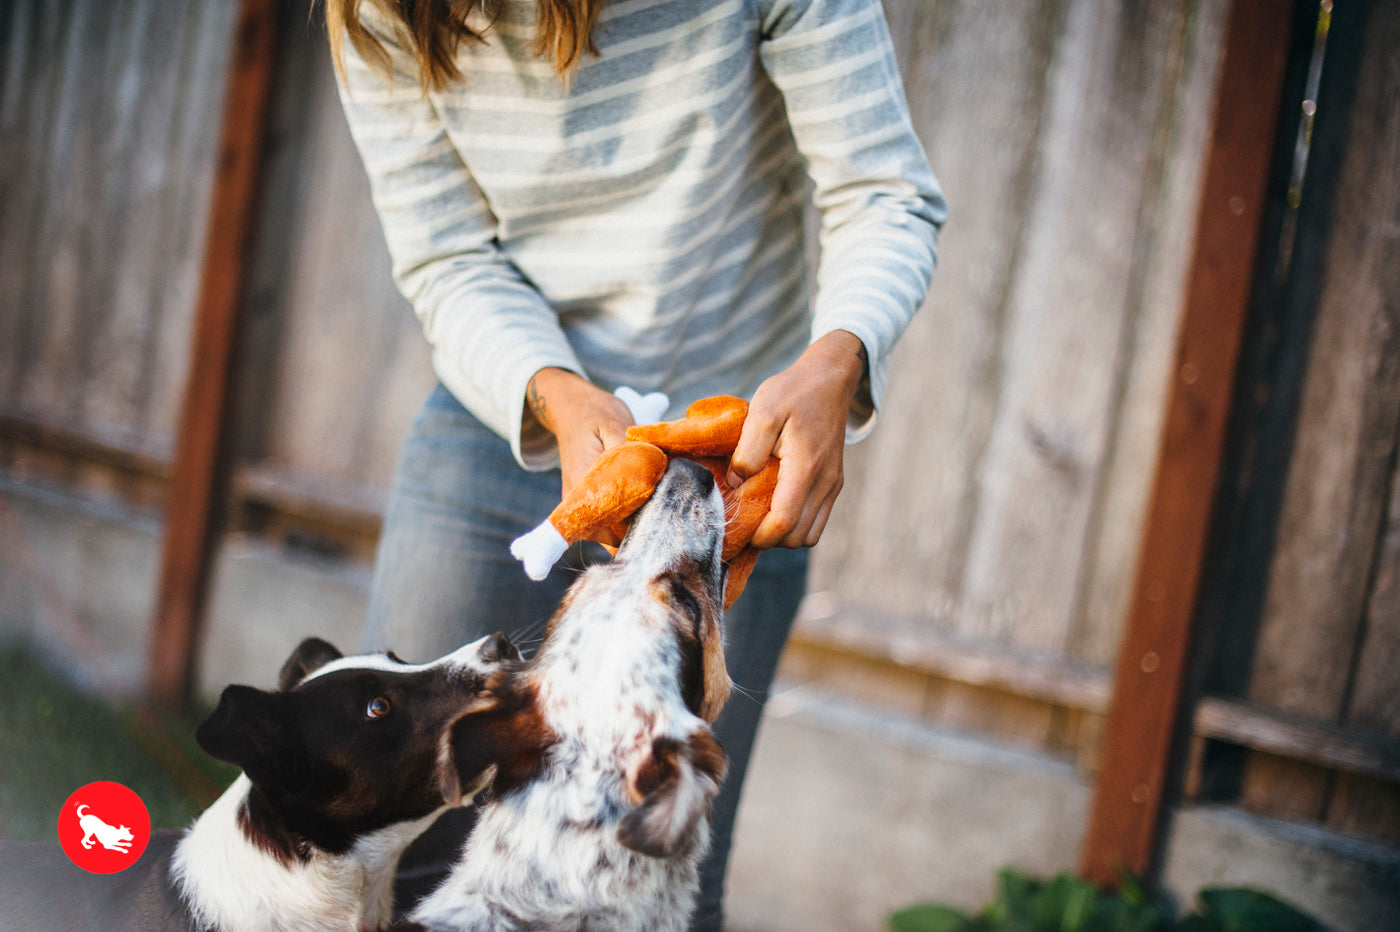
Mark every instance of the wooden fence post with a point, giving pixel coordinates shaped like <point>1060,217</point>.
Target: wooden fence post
<point>1152,660</point>
<point>197,477</point>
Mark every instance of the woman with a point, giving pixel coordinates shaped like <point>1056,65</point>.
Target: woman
<point>579,195</point>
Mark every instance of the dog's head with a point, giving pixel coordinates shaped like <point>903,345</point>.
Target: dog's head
<point>675,543</point>
<point>633,659</point>
<point>349,745</point>
<point>662,593</point>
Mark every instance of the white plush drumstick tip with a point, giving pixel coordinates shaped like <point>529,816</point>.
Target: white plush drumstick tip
<point>646,409</point>
<point>539,550</point>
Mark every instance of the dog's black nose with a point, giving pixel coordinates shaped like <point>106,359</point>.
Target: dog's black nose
<point>702,477</point>
<point>499,647</point>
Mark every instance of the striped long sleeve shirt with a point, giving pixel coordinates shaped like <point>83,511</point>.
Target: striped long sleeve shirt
<point>641,223</point>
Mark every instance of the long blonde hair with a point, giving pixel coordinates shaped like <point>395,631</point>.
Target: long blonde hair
<point>434,29</point>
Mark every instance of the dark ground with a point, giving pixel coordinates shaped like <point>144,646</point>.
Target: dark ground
<point>55,738</point>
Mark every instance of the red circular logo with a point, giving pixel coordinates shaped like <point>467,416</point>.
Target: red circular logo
<point>104,827</point>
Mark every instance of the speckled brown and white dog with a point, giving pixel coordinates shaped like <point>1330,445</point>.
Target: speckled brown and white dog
<point>606,766</point>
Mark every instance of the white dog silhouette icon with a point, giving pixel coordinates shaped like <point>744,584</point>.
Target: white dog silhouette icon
<point>112,837</point>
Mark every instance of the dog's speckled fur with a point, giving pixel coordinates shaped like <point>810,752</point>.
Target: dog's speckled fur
<point>606,763</point>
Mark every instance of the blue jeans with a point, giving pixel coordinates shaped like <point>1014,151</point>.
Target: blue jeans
<point>444,576</point>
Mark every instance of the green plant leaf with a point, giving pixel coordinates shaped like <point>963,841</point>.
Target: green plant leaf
<point>1015,897</point>
<point>1197,923</point>
<point>1083,902</point>
<point>1244,910</point>
<point>1131,889</point>
<point>929,917</point>
<point>1065,904</point>
<point>1150,917</point>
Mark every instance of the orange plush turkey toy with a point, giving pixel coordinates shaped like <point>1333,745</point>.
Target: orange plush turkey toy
<point>623,479</point>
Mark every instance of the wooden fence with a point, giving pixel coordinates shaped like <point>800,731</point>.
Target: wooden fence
<point>108,117</point>
<point>981,563</point>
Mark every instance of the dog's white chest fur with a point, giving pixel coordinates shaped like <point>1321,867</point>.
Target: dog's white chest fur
<point>230,883</point>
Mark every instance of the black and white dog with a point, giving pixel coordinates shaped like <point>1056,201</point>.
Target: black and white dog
<point>605,766</point>
<point>343,766</point>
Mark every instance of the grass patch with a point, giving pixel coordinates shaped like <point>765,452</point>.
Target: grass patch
<point>55,738</point>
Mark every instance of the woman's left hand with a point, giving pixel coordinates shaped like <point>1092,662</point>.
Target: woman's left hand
<point>799,416</point>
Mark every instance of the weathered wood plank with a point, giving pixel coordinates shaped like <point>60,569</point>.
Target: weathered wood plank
<point>1319,743</point>
<point>1340,473</point>
<point>67,242</point>
<point>936,413</point>
<point>1359,805</point>
<point>196,487</point>
<point>31,32</point>
<point>1365,808</point>
<point>350,366</point>
<point>1330,634</point>
<point>1161,253</point>
<point>989,664</point>
<point>1070,310</point>
<point>185,212</point>
<point>967,539</point>
<point>1148,676</point>
<point>141,104</point>
<point>95,177</point>
<point>32,90</point>
<point>1375,696</point>
<point>1284,789</point>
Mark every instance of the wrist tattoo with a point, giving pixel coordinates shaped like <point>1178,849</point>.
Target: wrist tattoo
<point>535,399</point>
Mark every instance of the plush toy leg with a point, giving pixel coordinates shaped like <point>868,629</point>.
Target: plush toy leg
<point>751,503</point>
<point>612,489</point>
<point>539,550</point>
<point>711,427</point>
<point>739,569</point>
<point>646,409</point>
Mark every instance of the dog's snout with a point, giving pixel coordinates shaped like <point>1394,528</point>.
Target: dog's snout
<point>498,647</point>
<point>698,474</point>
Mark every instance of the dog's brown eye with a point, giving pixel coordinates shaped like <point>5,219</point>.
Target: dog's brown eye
<point>378,707</point>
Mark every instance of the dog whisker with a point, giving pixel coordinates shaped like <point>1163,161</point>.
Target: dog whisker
<point>753,695</point>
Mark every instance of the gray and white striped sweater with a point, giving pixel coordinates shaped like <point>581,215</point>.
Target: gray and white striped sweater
<point>641,222</point>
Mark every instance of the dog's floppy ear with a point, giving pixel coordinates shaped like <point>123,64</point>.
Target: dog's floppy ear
<point>676,782</point>
<point>310,655</point>
<point>500,740</point>
<point>250,729</point>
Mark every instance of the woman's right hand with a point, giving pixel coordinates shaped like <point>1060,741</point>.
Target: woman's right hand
<point>585,421</point>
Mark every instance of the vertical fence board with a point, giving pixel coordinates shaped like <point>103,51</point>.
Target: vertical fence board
<point>1374,704</point>
<point>1367,251</point>
<point>195,484</point>
<point>65,238</point>
<point>185,209</point>
<point>1148,677</point>
<point>1034,317</point>
<point>108,114</point>
<point>1334,500</point>
<point>943,364</point>
<point>32,41</point>
<point>144,94</point>
<point>350,365</point>
<point>1071,308</point>
<point>1161,252</point>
